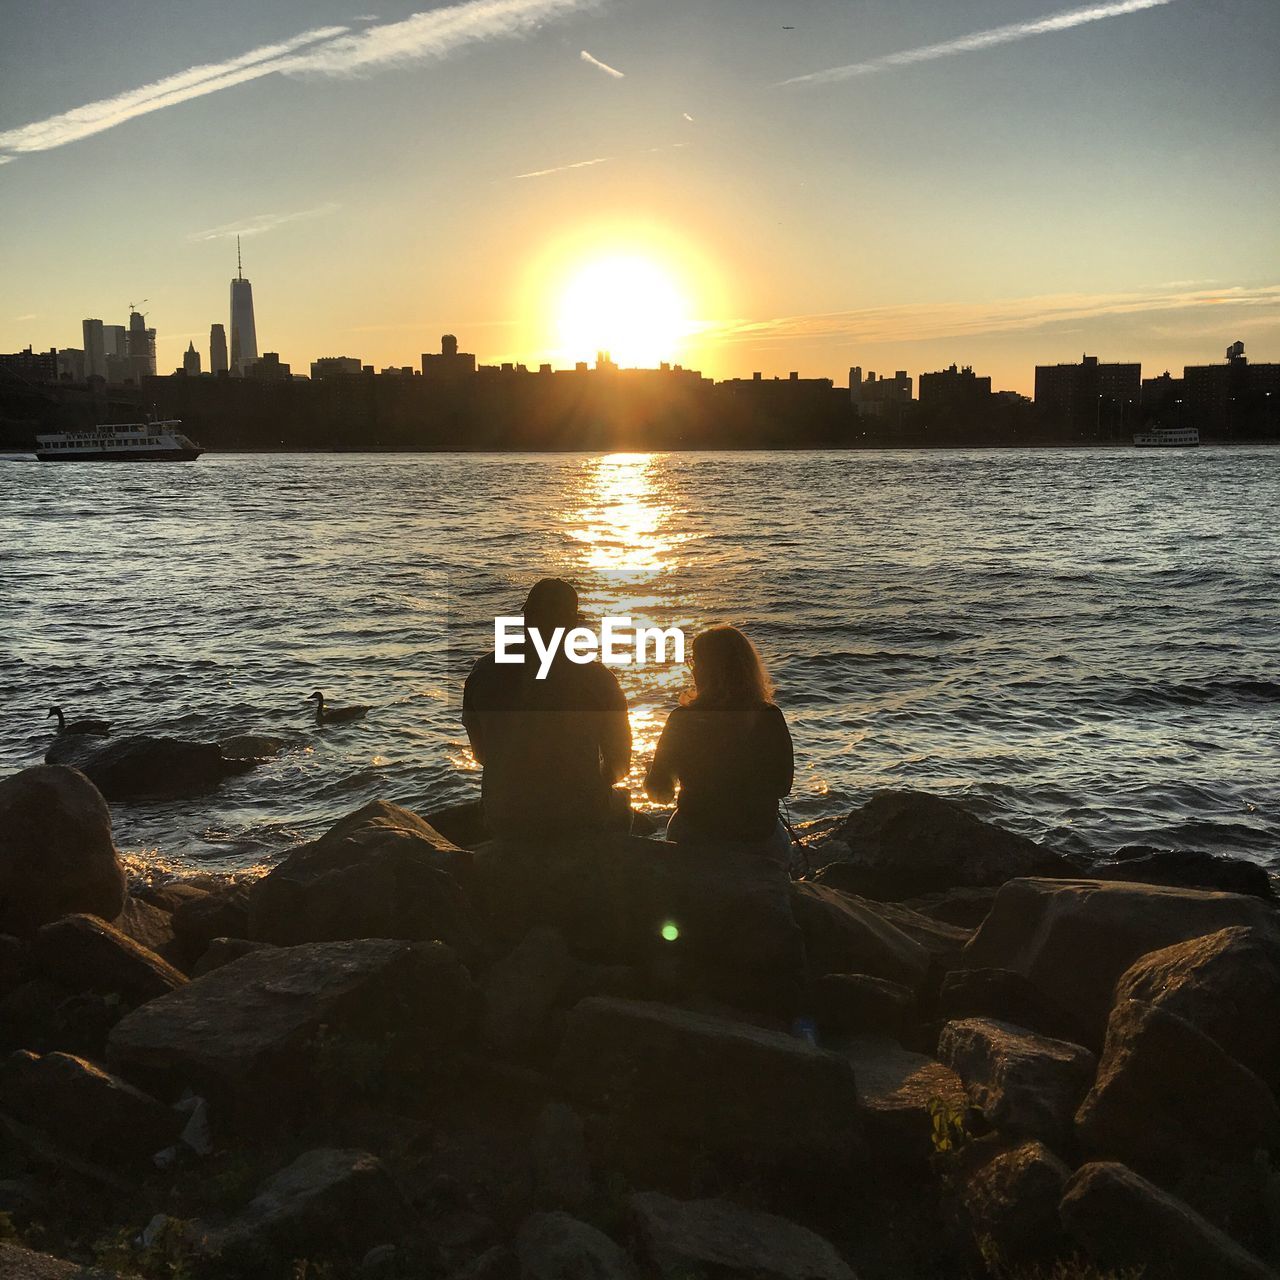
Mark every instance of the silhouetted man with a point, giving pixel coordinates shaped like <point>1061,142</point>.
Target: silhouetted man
<point>551,748</point>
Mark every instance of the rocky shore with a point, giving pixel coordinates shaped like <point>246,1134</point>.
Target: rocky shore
<point>408,1053</point>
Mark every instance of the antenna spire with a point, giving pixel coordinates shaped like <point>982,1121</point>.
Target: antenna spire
<point>239,265</point>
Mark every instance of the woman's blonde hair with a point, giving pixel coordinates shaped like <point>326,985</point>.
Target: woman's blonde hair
<point>727,671</point>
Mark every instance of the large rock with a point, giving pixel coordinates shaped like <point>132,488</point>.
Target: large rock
<point>1122,1220</point>
<point>139,767</point>
<point>1188,868</point>
<point>556,1246</point>
<point>709,1080</point>
<point>1006,996</point>
<point>1168,1098</point>
<point>856,1004</point>
<point>1227,984</point>
<point>1010,1202</point>
<point>843,934</point>
<point>521,989</point>
<point>56,852</point>
<point>561,1167</point>
<point>84,953</point>
<point>148,925</point>
<point>1074,938</point>
<point>713,922</point>
<point>381,872</point>
<point>198,918</point>
<point>901,844</point>
<point>326,1201</point>
<point>680,1238</point>
<point>266,1034</point>
<point>899,1092</point>
<point>17,1263</point>
<point>1024,1084</point>
<point>85,1109</point>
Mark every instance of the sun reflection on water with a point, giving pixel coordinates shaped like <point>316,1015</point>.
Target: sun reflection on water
<point>623,517</point>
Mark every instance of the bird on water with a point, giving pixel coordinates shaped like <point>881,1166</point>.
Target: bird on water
<point>335,715</point>
<point>91,727</point>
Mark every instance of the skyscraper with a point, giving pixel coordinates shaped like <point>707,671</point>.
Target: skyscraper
<point>95,349</point>
<point>191,361</point>
<point>244,336</point>
<point>217,349</point>
<point>141,345</point>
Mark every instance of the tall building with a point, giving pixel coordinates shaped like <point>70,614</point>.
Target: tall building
<point>33,366</point>
<point>113,340</point>
<point>95,349</point>
<point>1089,398</point>
<point>191,361</point>
<point>1235,399</point>
<point>217,349</point>
<point>140,345</point>
<point>244,335</point>
<point>954,388</point>
<point>450,363</point>
<point>879,397</point>
<point>334,367</point>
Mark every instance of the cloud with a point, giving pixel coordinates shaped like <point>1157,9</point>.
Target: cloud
<point>563,168</point>
<point>924,322</point>
<point>601,66</point>
<point>687,116</point>
<point>260,223</point>
<point>988,39</point>
<point>321,51</point>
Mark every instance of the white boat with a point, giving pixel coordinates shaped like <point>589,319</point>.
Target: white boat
<point>122,442</point>
<point>1167,438</point>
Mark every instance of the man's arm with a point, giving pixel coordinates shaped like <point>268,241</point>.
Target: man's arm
<point>472,720</point>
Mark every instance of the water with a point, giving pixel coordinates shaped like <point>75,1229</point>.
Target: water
<point>1083,644</point>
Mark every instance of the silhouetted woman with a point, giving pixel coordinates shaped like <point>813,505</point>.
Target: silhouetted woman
<point>728,747</point>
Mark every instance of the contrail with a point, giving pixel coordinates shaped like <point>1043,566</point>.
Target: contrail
<point>325,51</point>
<point>1063,21</point>
<point>602,66</point>
<point>256,225</point>
<point>563,168</point>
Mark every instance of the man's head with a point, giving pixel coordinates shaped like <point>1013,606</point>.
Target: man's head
<point>551,603</point>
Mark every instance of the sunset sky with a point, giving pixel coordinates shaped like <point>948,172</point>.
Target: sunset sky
<point>771,184</point>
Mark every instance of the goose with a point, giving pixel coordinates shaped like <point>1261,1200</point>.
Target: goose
<point>95,728</point>
<point>336,715</point>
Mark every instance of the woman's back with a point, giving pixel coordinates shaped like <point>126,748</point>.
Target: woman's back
<point>733,765</point>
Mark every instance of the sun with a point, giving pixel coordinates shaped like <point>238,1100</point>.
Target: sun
<point>628,305</point>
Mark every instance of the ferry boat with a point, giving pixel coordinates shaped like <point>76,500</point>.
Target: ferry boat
<point>1167,438</point>
<point>125,442</point>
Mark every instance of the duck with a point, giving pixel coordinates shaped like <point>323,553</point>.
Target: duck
<point>336,715</point>
<point>89,726</point>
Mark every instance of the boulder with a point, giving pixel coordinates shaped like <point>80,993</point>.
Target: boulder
<point>710,1080</point>
<point>555,1246</point>
<point>1010,1202</point>
<point>944,942</point>
<point>171,894</point>
<point>141,767</point>
<point>327,1201</point>
<point>86,1110</point>
<point>56,852</point>
<point>561,1169</point>
<point>1024,1084</point>
<point>252,746</point>
<point>1227,984</point>
<point>1122,1220</point>
<point>1168,1098</point>
<point>265,1034</point>
<point>1074,938</point>
<point>1006,996</point>
<point>381,872</point>
<point>1188,868</point>
<point>17,1263</point>
<point>84,953</point>
<point>462,824</point>
<point>966,907</point>
<point>854,1004</point>
<point>149,926</point>
<point>223,951</point>
<point>901,844</point>
<point>842,934</point>
<point>521,989</point>
<point>898,1092</point>
<point>199,918</point>
<point>710,922</point>
<point>680,1238</point>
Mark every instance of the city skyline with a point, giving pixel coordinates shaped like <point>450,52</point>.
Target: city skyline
<point>998,185</point>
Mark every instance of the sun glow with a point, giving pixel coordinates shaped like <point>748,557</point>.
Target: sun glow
<point>626,305</point>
